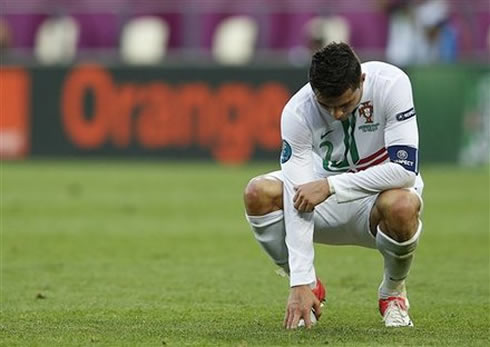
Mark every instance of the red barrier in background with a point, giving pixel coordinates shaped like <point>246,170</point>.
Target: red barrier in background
<point>14,113</point>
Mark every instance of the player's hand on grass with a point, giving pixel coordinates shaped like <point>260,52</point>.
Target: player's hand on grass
<point>310,194</point>
<point>300,302</point>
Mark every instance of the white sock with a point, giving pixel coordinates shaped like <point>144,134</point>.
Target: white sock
<point>397,261</point>
<point>270,232</point>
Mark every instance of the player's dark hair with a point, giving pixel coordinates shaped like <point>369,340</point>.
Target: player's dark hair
<point>334,69</point>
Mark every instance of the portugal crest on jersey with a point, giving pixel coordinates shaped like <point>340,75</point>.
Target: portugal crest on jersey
<point>366,111</point>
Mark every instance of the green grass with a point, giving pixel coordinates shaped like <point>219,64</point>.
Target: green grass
<point>135,253</point>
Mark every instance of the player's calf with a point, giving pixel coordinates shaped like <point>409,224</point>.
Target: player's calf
<point>398,228</point>
<point>263,204</point>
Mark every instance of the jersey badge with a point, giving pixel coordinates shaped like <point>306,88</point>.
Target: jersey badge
<point>366,111</point>
<point>285,151</point>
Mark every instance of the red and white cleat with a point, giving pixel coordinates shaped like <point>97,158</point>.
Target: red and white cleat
<point>394,310</point>
<point>320,291</point>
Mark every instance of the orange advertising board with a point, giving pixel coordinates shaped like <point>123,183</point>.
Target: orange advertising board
<point>229,120</point>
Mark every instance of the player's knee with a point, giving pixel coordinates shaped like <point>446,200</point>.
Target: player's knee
<point>400,210</point>
<point>262,196</point>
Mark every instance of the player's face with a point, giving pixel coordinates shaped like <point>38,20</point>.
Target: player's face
<point>342,106</point>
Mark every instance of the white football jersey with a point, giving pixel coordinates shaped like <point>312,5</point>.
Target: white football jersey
<point>375,149</point>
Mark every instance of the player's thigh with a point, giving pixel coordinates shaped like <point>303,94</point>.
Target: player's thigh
<point>344,224</point>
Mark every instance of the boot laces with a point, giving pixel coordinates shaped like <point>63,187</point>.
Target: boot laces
<point>395,313</point>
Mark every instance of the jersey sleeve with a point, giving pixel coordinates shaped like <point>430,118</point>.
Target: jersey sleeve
<point>352,186</point>
<point>401,132</point>
<point>401,141</point>
<point>297,168</point>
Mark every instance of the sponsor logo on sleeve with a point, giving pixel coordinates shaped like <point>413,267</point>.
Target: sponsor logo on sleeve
<point>406,156</point>
<point>285,152</point>
<point>402,154</point>
<point>405,115</point>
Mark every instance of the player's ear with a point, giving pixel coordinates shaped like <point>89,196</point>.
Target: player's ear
<point>361,81</point>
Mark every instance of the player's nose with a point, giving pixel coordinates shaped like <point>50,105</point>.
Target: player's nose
<point>338,113</point>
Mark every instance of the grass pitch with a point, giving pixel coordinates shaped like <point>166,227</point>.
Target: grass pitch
<point>135,253</point>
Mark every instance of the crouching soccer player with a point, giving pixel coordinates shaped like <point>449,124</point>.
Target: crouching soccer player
<point>349,176</point>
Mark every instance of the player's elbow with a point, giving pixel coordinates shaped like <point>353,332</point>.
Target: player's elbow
<point>407,178</point>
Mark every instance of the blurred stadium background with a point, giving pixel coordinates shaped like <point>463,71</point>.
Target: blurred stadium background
<point>208,78</point>
<point>95,243</point>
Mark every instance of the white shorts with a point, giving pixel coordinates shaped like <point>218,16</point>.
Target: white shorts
<point>342,224</point>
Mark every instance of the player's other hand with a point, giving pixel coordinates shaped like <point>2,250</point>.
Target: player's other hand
<point>300,302</point>
<point>310,194</point>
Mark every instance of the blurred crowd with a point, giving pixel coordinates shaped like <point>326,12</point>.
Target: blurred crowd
<point>404,32</point>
